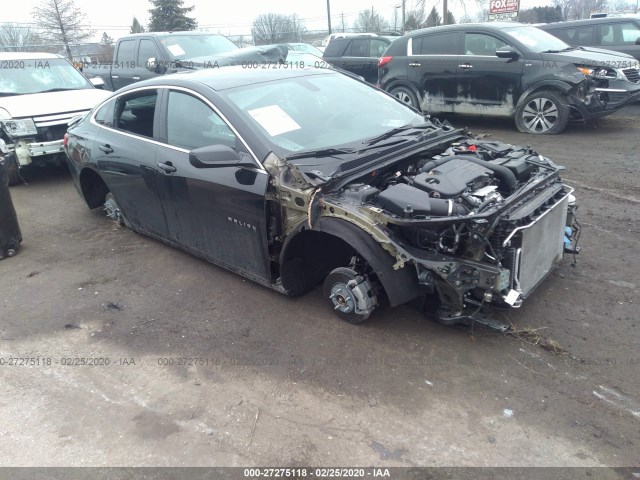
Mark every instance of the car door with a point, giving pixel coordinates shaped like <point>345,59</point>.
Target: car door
<point>356,59</point>
<point>433,64</point>
<point>219,212</point>
<point>487,85</point>
<point>122,70</point>
<point>126,153</point>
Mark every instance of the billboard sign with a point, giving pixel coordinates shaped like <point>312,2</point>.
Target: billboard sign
<point>503,6</point>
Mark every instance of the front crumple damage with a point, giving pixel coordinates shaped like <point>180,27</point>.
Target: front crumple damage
<point>476,223</point>
<point>600,91</point>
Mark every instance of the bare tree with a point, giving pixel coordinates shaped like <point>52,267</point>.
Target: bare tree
<point>61,22</point>
<point>370,21</point>
<point>277,28</point>
<point>15,38</point>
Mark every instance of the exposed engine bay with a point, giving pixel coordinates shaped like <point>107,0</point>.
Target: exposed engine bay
<point>481,222</point>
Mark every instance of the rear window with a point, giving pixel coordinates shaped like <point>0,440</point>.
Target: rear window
<point>440,44</point>
<point>335,47</point>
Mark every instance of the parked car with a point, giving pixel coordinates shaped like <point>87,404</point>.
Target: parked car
<point>507,70</point>
<point>621,33</point>
<point>294,177</point>
<point>146,55</point>
<point>39,94</point>
<point>357,53</point>
<point>304,47</point>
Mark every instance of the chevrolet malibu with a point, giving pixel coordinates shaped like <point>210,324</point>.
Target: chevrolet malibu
<point>300,177</point>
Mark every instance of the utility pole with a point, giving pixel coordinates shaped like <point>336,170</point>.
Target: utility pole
<point>329,16</point>
<point>445,15</point>
<point>403,9</point>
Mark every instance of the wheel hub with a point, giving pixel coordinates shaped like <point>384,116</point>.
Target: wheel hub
<point>113,212</point>
<point>342,298</point>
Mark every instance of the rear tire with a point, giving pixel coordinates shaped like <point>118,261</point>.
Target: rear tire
<point>543,113</point>
<point>405,95</point>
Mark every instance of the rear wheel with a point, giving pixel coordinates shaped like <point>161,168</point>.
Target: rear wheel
<point>543,113</point>
<point>405,95</point>
<point>350,295</point>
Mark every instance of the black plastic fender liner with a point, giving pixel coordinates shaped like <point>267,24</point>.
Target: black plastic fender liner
<point>10,235</point>
<point>400,285</point>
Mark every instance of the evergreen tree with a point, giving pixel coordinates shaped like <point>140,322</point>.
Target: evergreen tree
<point>136,27</point>
<point>170,15</point>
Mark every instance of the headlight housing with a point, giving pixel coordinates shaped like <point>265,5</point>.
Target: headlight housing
<point>599,73</point>
<point>24,127</point>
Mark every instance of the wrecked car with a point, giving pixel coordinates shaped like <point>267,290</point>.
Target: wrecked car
<point>295,178</point>
<point>39,94</point>
<point>507,70</point>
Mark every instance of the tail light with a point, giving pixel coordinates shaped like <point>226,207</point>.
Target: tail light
<point>65,140</point>
<point>382,61</point>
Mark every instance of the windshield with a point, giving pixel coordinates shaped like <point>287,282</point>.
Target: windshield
<point>183,47</point>
<point>41,75</point>
<point>319,111</point>
<point>535,39</point>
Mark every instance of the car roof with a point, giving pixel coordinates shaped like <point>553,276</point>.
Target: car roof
<point>174,34</point>
<point>589,21</point>
<point>27,56</point>
<point>467,26</point>
<point>229,77</point>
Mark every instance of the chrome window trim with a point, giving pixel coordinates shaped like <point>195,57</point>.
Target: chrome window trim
<point>259,166</point>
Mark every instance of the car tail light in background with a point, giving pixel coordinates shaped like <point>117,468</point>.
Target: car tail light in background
<point>65,140</point>
<point>382,61</point>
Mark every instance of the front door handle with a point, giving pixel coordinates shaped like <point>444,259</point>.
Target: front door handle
<point>465,66</point>
<point>415,64</point>
<point>167,167</point>
<point>136,78</point>
<point>106,148</point>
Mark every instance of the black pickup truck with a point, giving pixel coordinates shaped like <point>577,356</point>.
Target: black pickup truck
<point>145,55</point>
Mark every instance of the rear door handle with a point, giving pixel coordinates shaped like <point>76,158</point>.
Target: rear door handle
<point>465,66</point>
<point>115,76</point>
<point>167,167</point>
<point>415,64</point>
<point>106,148</point>
<point>136,78</point>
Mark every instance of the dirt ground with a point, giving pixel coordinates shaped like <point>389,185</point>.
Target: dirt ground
<point>195,366</point>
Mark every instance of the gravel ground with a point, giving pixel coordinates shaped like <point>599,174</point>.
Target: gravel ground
<point>270,380</point>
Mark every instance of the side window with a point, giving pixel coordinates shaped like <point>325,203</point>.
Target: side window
<point>104,115</point>
<point>126,52</point>
<point>481,44</point>
<point>135,113</point>
<point>567,35</point>
<point>441,44</point>
<point>630,33</point>
<point>146,50</point>
<point>584,36</point>
<point>335,48</point>
<point>191,123</point>
<point>358,48</point>
<point>377,47</point>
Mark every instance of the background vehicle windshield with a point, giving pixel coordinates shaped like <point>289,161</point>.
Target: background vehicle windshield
<point>183,47</point>
<point>535,39</point>
<point>319,111</point>
<point>37,76</point>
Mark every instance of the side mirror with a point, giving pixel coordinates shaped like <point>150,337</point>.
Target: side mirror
<point>217,156</point>
<point>97,82</point>
<point>153,65</point>
<point>638,41</point>
<point>507,52</point>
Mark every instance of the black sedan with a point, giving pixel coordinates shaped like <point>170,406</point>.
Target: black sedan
<point>295,177</point>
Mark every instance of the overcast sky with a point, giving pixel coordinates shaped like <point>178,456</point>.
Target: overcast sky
<point>234,16</point>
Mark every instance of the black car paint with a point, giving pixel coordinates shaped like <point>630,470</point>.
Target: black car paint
<point>337,53</point>
<point>488,85</point>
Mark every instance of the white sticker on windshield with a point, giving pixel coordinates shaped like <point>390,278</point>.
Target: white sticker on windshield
<point>274,120</point>
<point>176,50</point>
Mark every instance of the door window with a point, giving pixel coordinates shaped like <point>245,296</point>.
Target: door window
<point>104,115</point>
<point>619,34</point>
<point>377,47</point>
<point>481,44</point>
<point>126,53</point>
<point>135,112</point>
<point>146,51</point>
<point>441,44</point>
<point>575,35</point>
<point>191,124</point>
<point>358,48</point>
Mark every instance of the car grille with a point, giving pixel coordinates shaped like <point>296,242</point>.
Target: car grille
<point>632,74</point>
<point>56,119</point>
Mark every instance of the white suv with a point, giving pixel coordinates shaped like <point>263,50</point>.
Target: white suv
<point>39,94</point>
